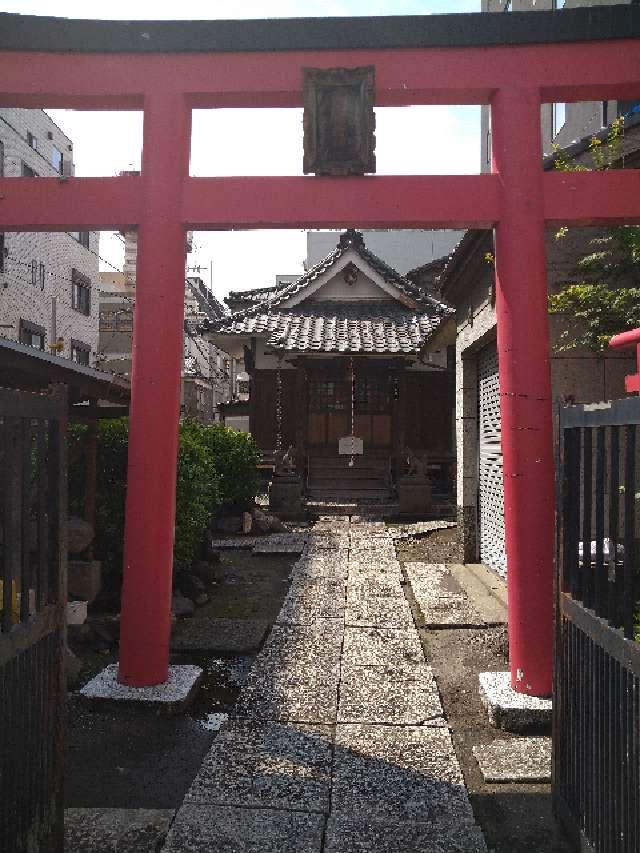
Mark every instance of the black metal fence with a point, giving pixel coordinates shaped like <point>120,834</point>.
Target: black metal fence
<point>596,761</point>
<point>32,619</point>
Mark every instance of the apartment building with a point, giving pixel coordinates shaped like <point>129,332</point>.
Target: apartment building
<point>48,281</point>
<point>208,373</point>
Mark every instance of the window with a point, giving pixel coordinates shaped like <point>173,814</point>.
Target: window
<point>57,160</point>
<point>80,352</point>
<point>32,140</point>
<point>82,237</point>
<point>3,252</point>
<point>41,276</point>
<point>558,118</point>
<point>32,335</point>
<point>80,292</point>
<point>28,172</point>
<point>34,273</point>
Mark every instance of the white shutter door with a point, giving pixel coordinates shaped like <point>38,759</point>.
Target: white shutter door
<point>491,497</point>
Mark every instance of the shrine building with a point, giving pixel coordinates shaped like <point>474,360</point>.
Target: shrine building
<point>339,374</point>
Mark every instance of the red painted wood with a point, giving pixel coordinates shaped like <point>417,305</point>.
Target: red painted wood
<point>405,201</point>
<point>525,388</point>
<point>514,78</point>
<point>155,398</point>
<point>49,204</point>
<point>629,340</point>
<point>592,198</point>
<point>368,202</point>
<point>563,72</point>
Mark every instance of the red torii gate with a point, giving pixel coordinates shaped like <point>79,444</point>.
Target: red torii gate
<point>514,62</point>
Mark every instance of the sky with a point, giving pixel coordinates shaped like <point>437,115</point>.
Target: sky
<point>413,140</point>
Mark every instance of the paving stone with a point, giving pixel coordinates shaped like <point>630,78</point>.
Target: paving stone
<point>508,709</point>
<point>208,634</point>
<point>267,765</point>
<point>320,567</point>
<point>387,612</point>
<point>398,647</point>
<point>351,834</point>
<point>107,830</point>
<point>361,587</point>
<point>280,544</point>
<point>203,829</point>
<point>362,567</point>
<point>307,697</point>
<point>295,676</point>
<point>316,645</point>
<point>519,759</point>
<point>439,596</point>
<point>398,773</point>
<point>389,694</point>
<point>302,610</point>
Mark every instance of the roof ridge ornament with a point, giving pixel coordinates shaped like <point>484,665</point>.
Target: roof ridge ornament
<point>351,237</point>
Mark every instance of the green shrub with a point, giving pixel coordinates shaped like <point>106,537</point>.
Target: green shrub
<point>235,456</point>
<point>197,498</point>
<point>216,470</point>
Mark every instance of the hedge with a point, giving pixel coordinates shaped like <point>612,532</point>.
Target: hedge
<point>216,472</point>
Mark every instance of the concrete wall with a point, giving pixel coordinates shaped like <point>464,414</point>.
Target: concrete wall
<point>59,253</point>
<point>402,250</point>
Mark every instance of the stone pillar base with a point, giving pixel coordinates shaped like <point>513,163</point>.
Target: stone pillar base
<point>285,496</point>
<point>414,497</point>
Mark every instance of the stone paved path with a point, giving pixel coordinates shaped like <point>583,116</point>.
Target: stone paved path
<point>338,742</point>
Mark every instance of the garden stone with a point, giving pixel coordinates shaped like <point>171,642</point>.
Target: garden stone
<point>265,523</point>
<point>206,571</point>
<point>80,535</point>
<point>230,524</point>
<point>182,606</point>
<point>191,586</point>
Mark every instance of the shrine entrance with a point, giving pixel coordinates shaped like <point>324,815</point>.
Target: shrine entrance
<point>513,62</point>
<point>338,406</point>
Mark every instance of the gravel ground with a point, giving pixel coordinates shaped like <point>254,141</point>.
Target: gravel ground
<point>514,818</point>
<point>131,758</point>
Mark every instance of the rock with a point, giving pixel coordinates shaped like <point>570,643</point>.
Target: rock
<point>72,667</point>
<point>107,630</point>
<point>247,523</point>
<point>80,535</point>
<point>182,606</point>
<point>229,524</point>
<point>84,579</point>
<point>191,585</point>
<point>206,572</point>
<point>264,523</point>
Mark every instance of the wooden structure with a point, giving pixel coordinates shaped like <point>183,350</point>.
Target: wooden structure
<point>336,354</point>
<point>513,62</point>
<point>33,554</point>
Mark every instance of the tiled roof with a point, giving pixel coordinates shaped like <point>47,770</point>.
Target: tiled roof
<point>341,327</point>
<point>348,240</point>
<point>250,297</point>
<point>385,326</point>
